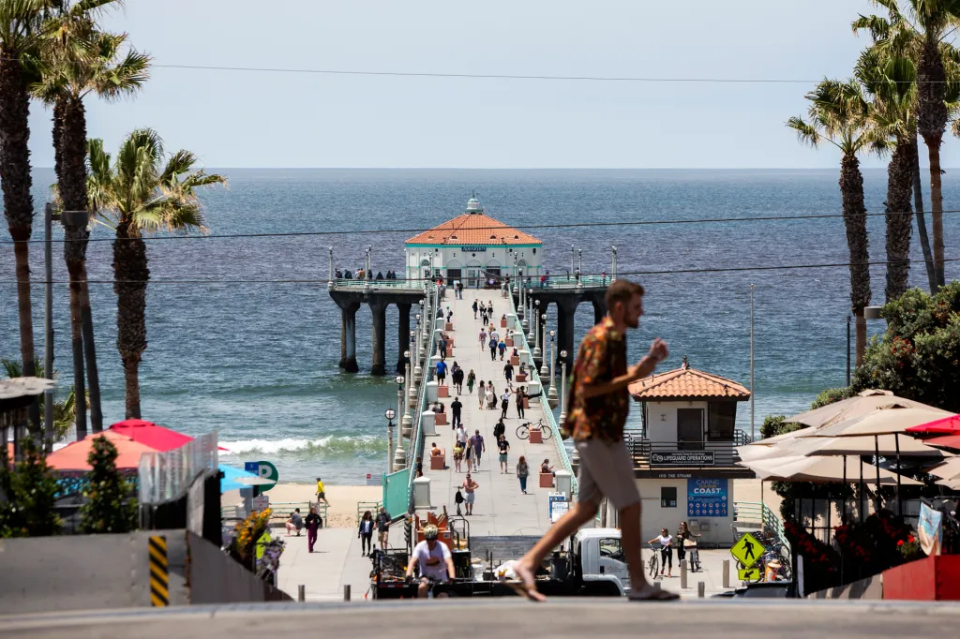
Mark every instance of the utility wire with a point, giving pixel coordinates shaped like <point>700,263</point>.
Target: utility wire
<point>323,281</point>
<point>717,220</point>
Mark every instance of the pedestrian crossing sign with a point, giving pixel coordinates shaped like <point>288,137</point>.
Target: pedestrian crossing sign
<point>747,550</point>
<point>749,574</point>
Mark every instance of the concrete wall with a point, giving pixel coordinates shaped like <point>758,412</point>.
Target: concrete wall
<point>662,419</point>
<point>86,572</point>
<point>217,578</point>
<point>870,588</point>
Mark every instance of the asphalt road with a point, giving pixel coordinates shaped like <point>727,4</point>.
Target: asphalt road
<point>505,617</point>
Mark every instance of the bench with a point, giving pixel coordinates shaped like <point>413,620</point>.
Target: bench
<point>281,510</point>
<point>546,480</point>
<point>440,419</point>
<point>438,462</point>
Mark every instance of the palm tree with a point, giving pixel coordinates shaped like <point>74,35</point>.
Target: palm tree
<point>21,26</point>
<point>891,80</point>
<point>141,192</point>
<point>79,60</point>
<point>839,115</point>
<point>920,31</point>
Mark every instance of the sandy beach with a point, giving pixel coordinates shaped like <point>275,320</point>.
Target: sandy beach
<point>342,512</point>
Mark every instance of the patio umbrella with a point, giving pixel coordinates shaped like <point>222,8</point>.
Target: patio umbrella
<point>74,457</point>
<point>157,437</point>
<point>949,469</point>
<point>947,441</point>
<point>863,403</point>
<point>817,469</point>
<point>882,421</point>
<point>946,426</point>
<point>236,478</point>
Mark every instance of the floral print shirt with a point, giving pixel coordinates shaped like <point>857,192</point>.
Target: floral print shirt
<point>602,358</point>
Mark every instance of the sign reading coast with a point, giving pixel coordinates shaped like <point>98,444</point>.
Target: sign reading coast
<point>682,458</point>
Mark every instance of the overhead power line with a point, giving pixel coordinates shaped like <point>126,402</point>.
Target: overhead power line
<point>572,225</point>
<point>323,281</point>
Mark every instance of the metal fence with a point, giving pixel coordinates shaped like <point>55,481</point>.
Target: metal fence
<point>167,476</point>
<point>415,448</point>
<point>755,511</point>
<point>547,411</point>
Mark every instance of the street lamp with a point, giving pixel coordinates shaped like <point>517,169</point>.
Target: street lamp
<point>580,262</point>
<point>390,414</point>
<point>331,263</point>
<point>614,272</point>
<point>407,423</point>
<point>544,370</point>
<point>411,384</point>
<point>536,333</point>
<point>573,262</point>
<point>552,393</point>
<point>563,387</point>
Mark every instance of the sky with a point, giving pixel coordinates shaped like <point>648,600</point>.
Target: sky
<point>300,120</point>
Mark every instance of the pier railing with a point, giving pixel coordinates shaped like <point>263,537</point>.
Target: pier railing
<point>548,416</point>
<point>390,285</point>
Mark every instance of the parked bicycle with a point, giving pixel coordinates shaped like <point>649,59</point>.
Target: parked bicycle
<point>653,564</point>
<point>523,430</point>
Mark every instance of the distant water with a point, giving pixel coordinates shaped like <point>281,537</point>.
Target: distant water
<point>258,362</point>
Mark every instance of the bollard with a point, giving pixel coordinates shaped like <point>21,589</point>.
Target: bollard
<point>346,592</point>
<point>301,593</point>
<point>701,590</point>
<point>726,573</point>
<point>683,573</point>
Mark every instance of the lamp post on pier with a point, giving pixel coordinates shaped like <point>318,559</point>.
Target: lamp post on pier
<point>407,422</point>
<point>614,272</point>
<point>552,398</point>
<point>563,387</point>
<point>544,369</point>
<point>580,262</point>
<point>390,414</point>
<point>331,263</point>
<point>417,371</point>
<point>573,262</point>
<point>536,333</point>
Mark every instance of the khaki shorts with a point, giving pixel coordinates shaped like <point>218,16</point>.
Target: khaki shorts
<point>606,470</point>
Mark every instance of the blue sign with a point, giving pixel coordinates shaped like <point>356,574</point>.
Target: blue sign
<point>557,506</point>
<point>707,497</point>
<point>473,249</point>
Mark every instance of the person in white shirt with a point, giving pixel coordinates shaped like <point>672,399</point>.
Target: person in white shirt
<point>434,560</point>
<point>666,551</point>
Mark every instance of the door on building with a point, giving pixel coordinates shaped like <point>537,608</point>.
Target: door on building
<point>453,275</point>
<point>690,428</point>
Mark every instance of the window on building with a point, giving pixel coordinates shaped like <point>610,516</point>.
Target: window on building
<point>534,251</point>
<point>668,497</point>
<point>721,420</point>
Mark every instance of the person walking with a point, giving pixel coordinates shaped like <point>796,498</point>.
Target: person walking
<point>479,447</point>
<point>503,348</point>
<point>523,471</point>
<point>483,339</point>
<point>471,380</point>
<point>666,551</point>
<point>503,447</point>
<point>458,377</point>
<point>457,456</point>
<point>475,308</point>
<point>508,373</point>
<point>598,407</point>
<point>683,535</point>
<point>461,435</point>
<point>443,347</point>
<point>365,533</point>
<point>482,394</point>
<point>491,397</point>
<point>469,487</point>
<point>493,349</point>
<point>321,493</point>
<point>504,403</point>
<point>455,408</point>
<point>499,429</point>
<point>521,400</point>
<point>313,524</point>
<point>442,373</point>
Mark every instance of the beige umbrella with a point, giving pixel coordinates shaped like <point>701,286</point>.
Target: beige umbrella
<point>948,470</point>
<point>863,403</point>
<point>818,469</point>
<point>830,446</point>
<point>882,421</point>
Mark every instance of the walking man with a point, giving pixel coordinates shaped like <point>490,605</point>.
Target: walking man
<point>508,373</point>
<point>442,373</point>
<point>469,486</point>
<point>443,347</point>
<point>475,309</point>
<point>479,447</point>
<point>313,523</point>
<point>599,403</point>
<point>504,403</point>
<point>383,527</point>
<point>321,493</point>
<point>493,349</point>
<point>455,408</point>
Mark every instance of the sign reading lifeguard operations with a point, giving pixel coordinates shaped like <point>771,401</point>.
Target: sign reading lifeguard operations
<point>707,497</point>
<point>682,458</point>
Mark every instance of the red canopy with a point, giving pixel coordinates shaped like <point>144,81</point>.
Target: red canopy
<point>149,434</point>
<point>74,456</point>
<point>946,426</point>
<point>944,441</point>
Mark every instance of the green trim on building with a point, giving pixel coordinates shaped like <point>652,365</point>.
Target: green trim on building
<point>445,246</point>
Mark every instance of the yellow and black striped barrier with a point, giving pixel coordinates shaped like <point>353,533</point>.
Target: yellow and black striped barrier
<point>159,572</point>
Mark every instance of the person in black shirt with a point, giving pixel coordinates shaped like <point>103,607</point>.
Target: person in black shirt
<point>499,429</point>
<point>455,407</point>
<point>504,447</point>
<point>383,527</point>
<point>313,522</point>
<point>365,533</point>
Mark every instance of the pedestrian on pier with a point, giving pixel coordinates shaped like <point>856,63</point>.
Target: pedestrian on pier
<point>442,373</point>
<point>479,447</point>
<point>365,533</point>
<point>483,338</point>
<point>313,523</point>
<point>491,396</point>
<point>469,487</point>
<point>523,471</point>
<point>458,377</point>
<point>508,373</point>
<point>455,408</point>
<point>599,403</point>
<point>503,348</point>
<point>475,309</point>
<point>504,447</point>
<point>521,400</point>
<point>471,380</point>
<point>443,347</point>
<point>458,457</point>
<point>499,429</point>
<point>383,527</point>
<point>504,403</point>
<point>493,349</point>
<point>481,393</point>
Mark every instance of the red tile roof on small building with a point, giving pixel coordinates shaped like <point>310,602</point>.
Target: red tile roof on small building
<point>473,229</point>
<point>687,383</point>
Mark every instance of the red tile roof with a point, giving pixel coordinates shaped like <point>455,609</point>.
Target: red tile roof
<point>687,383</point>
<point>473,229</point>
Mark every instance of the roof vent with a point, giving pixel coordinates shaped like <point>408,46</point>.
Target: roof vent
<point>473,206</point>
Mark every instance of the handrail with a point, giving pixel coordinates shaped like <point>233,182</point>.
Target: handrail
<point>547,411</point>
<point>754,510</point>
<point>416,439</point>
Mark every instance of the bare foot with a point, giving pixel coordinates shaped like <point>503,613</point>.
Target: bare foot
<point>529,583</point>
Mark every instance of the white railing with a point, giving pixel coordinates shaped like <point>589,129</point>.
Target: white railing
<point>415,448</point>
<point>167,475</point>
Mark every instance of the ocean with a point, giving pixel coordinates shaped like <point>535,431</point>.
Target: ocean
<point>258,361</point>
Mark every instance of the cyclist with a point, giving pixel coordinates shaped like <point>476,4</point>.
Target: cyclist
<point>434,561</point>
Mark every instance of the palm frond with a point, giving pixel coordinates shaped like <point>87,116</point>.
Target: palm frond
<point>806,132</point>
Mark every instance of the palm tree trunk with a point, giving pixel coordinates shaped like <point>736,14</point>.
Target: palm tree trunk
<point>855,221</point>
<point>130,283</point>
<point>931,121</point>
<point>898,217</point>
<point>76,344</point>
<point>921,218</point>
<point>936,205</point>
<point>16,182</point>
<point>71,149</point>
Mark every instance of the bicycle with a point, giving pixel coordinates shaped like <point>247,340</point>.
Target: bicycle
<point>523,430</point>
<point>653,564</point>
